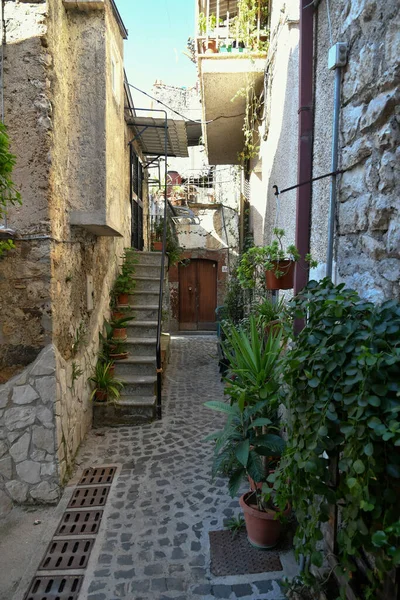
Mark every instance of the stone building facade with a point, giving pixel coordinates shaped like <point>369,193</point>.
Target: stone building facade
<point>64,109</point>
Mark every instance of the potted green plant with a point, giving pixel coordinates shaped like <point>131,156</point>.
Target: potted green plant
<point>269,314</point>
<point>119,327</point>
<point>118,350</point>
<point>158,236</point>
<point>239,450</point>
<point>111,348</point>
<point>106,386</point>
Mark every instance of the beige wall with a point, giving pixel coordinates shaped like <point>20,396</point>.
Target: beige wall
<point>69,135</point>
<point>277,162</point>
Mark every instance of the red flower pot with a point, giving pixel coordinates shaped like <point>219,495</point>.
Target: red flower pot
<point>101,396</point>
<point>119,355</point>
<point>285,281</point>
<point>263,528</point>
<point>123,299</point>
<point>157,246</point>
<point>210,47</point>
<point>119,334</point>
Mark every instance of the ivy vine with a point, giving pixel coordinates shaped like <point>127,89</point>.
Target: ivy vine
<point>342,396</point>
<point>9,195</point>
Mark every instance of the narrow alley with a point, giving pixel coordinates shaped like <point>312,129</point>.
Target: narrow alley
<point>154,537</point>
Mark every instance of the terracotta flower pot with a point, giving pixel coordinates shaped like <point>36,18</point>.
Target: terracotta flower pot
<point>101,396</point>
<point>263,528</point>
<point>210,47</point>
<point>119,334</point>
<point>272,326</point>
<point>123,299</point>
<point>117,314</point>
<point>111,370</point>
<point>157,246</point>
<point>285,282</point>
<point>119,356</point>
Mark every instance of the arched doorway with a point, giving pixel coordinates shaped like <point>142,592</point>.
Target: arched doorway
<point>198,295</point>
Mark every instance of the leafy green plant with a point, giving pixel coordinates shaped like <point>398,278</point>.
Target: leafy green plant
<point>239,446</point>
<point>269,311</point>
<point>342,398</point>
<point>79,338</point>
<point>235,524</point>
<point>212,23</point>
<point>244,25</point>
<point>121,322</point>
<point>76,373</point>
<point>105,381</point>
<point>9,195</point>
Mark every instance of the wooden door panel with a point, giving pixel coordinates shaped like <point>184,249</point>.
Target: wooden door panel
<point>187,296</point>
<point>207,293</point>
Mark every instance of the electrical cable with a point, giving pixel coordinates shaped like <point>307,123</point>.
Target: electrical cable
<point>180,114</point>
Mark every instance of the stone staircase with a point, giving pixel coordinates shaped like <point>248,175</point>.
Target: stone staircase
<point>137,403</point>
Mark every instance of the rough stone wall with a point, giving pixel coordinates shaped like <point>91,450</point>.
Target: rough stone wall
<point>28,460</point>
<point>368,224</point>
<point>277,160</point>
<point>25,312</point>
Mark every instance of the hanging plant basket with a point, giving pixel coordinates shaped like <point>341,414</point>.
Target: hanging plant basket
<point>285,281</point>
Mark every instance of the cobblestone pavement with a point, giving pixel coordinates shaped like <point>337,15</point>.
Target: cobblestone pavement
<point>163,504</point>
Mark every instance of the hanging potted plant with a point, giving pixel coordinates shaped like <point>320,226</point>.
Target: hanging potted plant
<point>106,386</point>
<point>158,236</point>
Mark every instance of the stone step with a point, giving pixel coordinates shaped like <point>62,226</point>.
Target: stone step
<point>144,298</point>
<point>147,271</point>
<point>142,313</point>
<point>141,346</point>
<point>135,365</point>
<point>139,385</point>
<point>142,329</point>
<point>127,410</point>
<point>149,258</point>
<point>147,284</point>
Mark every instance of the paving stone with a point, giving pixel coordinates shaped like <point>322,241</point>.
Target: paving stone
<point>202,590</point>
<point>124,574</point>
<point>264,586</point>
<point>221,591</point>
<point>159,585</point>
<point>242,589</point>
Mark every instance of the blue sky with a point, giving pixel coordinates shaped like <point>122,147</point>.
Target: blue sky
<point>158,32</point>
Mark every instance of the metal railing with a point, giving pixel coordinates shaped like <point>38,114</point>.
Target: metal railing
<point>222,27</point>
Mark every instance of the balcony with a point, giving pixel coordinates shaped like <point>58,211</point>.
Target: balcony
<point>231,45</point>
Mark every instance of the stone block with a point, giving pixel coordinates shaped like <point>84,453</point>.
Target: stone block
<point>389,171</point>
<point>45,416</point>
<point>29,471</point>
<point>46,386</point>
<point>5,503</point>
<point>351,116</point>
<point>6,467</point>
<point>4,395</point>
<point>43,438</point>
<point>46,492</point>
<point>355,153</point>
<point>3,448</point>
<point>24,394</point>
<point>381,211</point>
<point>19,450</point>
<point>17,490</point>
<point>353,215</point>
<point>392,43</point>
<point>45,364</point>
<point>378,109</point>
<point>352,184</point>
<point>373,247</point>
<point>388,136</point>
<point>393,239</point>
<point>48,469</point>
<point>19,417</point>
<point>389,268</point>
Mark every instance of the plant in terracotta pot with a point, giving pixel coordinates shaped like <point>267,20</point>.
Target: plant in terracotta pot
<point>271,314</point>
<point>125,284</point>
<point>107,387</point>
<point>276,262</point>
<point>112,348</point>
<point>239,450</point>
<point>119,327</point>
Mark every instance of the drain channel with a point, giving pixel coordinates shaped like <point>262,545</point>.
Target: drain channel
<point>74,538</point>
<point>60,587</point>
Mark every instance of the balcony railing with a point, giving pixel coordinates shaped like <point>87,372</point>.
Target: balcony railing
<point>231,27</point>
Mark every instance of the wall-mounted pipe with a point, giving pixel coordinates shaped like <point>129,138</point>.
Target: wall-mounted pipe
<point>305,141</point>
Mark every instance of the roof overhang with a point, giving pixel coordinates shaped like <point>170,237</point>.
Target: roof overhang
<point>149,133</point>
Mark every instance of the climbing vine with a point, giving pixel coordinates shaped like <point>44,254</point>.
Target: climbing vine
<point>342,397</point>
<point>8,192</point>
<point>251,116</point>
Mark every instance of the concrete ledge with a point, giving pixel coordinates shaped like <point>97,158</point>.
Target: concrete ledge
<point>122,413</point>
<point>96,223</point>
<point>84,4</point>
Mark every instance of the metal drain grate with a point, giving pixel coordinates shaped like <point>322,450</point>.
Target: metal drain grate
<point>235,556</point>
<point>66,554</point>
<point>80,522</point>
<point>59,587</point>
<point>97,475</point>
<point>89,497</point>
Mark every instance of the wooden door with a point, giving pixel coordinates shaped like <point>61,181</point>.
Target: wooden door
<point>198,295</point>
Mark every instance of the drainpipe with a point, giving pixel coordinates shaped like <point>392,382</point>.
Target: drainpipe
<point>336,60</point>
<point>305,142</point>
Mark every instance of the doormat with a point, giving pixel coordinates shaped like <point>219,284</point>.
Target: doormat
<point>234,555</point>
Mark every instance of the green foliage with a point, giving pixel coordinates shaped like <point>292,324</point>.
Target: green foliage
<point>76,373</point>
<point>125,283</point>
<point>105,381</point>
<point>239,447</point>
<point>121,322</point>
<point>257,260</point>
<point>343,401</point>
<point>235,524</point>
<point>79,338</point>
<point>172,243</point>
<point>234,300</point>
<point>9,195</point>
